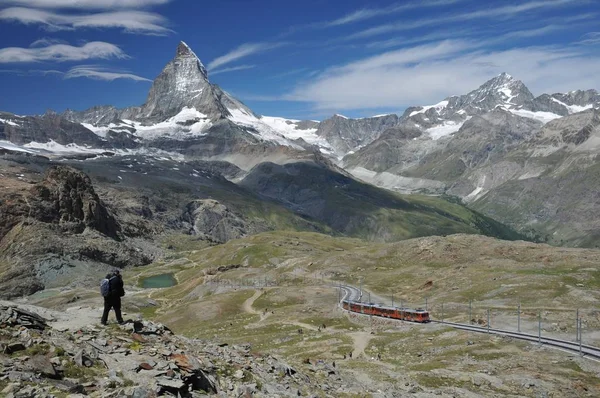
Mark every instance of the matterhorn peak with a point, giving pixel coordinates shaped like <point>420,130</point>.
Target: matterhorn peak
<point>184,50</point>
<point>182,83</point>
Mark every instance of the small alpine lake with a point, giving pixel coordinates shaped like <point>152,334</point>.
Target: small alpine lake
<point>159,281</point>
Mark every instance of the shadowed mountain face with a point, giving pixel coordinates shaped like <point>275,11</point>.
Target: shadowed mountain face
<point>358,209</point>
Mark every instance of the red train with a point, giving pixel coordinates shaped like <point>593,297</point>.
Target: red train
<point>405,314</point>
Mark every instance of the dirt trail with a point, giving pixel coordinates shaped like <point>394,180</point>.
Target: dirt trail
<point>361,341</point>
<point>72,318</point>
<point>247,306</point>
<point>249,303</point>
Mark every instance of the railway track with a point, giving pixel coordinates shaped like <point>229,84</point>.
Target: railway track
<point>587,351</point>
<point>583,349</point>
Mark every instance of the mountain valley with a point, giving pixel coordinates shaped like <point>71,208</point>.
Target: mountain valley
<point>483,202</point>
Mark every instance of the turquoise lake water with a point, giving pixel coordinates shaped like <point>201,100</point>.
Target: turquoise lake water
<point>159,281</point>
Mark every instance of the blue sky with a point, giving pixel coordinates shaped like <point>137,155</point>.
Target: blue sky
<point>302,60</point>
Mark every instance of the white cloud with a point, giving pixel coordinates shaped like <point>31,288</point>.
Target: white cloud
<point>100,73</point>
<point>591,38</point>
<point>232,69</point>
<point>426,74</point>
<point>46,41</point>
<point>130,21</point>
<point>242,51</point>
<point>86,4</point>
<point>32,72</point>
<point>61,53</point>
<point>503,12</point>
<point>534,32</point>
<point>368,13</point>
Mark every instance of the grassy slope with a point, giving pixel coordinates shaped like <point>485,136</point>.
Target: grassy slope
<point>495,274</point>
<point>361,210</point>
<point>460,268</point>
<point>297,265</point>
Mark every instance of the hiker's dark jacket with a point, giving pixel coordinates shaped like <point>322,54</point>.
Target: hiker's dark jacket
<point>115,289</point>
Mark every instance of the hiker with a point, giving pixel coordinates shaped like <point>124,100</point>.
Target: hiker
<point>112,290</point>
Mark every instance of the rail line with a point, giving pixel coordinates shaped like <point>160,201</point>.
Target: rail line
<point>586,351</point>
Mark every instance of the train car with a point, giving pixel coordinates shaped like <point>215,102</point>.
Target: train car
<point>405,314</point>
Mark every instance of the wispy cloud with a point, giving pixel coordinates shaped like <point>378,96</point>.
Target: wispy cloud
<point>32,72</point>
<point>100,73</point>
<point>534,32</point>
<point>46,41</point>
<point>408,40</point>
<point>503,12</point>
<point>85,4</point>
<point>243,51</point>
<point>131,21</point>
<point>368,13</point>
<point>427,73</point>
<point>591,38</point>
<point>61,53</point>
<point>232,69</point>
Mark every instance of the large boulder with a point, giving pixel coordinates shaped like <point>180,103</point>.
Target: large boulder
<point>212,220</point>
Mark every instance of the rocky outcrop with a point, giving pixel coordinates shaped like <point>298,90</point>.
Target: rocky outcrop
<point>66,197</point>
<point>58,230</point>
<point>212,220</point>
<point>138,359</point>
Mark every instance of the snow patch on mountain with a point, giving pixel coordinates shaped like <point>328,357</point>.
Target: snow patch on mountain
<point>447,128</point>
<point>543,117</point>
<point>9,122</point>
<point>289,129</point>
<point>261,129</point>
<point>55,147</point>
<point>13,147</point>
<point>102,131</point>
<point>508,93</point>
<point>187,123</point>
<point>573,108</point>
<point>280,130</point>
<point>438,107</point>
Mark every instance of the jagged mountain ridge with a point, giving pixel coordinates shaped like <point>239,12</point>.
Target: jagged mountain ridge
<point>182,104</point>
<point>457,146</point>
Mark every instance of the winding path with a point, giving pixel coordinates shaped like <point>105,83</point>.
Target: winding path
<point>248,306</point>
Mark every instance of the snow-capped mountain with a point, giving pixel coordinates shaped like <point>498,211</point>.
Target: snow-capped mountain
<point>183,105</point>
<point>503,91</point>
